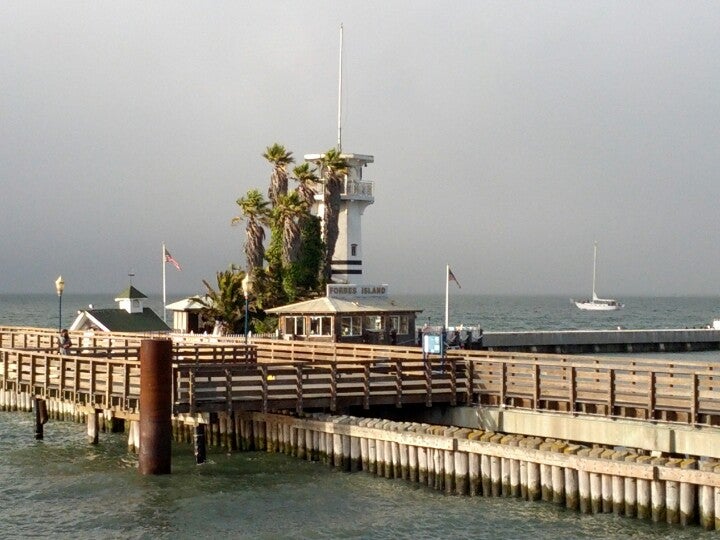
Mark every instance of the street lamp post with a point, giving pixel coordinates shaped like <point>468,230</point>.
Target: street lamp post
<point>59,287</point>
<point>246,287</point>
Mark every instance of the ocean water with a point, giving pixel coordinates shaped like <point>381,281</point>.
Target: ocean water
<point>62,487</point>
<point>492,313</point>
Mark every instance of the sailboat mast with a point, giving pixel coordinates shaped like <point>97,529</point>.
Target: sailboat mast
<point>594,266</point>
<point>339,112</point>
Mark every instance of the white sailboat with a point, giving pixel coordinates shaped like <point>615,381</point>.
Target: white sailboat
<point>597,304</point>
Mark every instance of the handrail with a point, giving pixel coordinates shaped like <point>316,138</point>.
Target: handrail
<point>298,374</point>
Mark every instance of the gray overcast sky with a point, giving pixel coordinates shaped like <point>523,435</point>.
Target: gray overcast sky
<point>507,136</point>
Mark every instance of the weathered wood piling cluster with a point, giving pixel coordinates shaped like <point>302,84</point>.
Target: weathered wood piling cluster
<point>97,420</point>
<point>469,462</point>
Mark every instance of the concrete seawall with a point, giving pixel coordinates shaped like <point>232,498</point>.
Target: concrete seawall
<point>471,462</point>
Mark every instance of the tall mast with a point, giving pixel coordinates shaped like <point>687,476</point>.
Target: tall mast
<point>594,265</point>
<point>339,114</point>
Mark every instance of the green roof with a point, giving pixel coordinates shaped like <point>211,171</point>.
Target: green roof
<point>119,320</point>
<point>131,292</point>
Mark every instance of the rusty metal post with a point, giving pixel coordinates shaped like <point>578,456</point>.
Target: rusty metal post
<point>155,406</point>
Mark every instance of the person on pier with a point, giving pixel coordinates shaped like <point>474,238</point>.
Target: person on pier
<point>64,342</point>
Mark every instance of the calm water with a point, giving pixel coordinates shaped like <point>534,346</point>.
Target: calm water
<point>63,487</point>
<point>492,313</point>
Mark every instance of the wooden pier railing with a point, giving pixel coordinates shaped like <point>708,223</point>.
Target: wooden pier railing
<point>293,375</point>
<point>328,384</point>
<point>100,383</point>
<point>646,389</point>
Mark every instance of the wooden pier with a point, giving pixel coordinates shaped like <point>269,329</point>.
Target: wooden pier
<point>274,390</point>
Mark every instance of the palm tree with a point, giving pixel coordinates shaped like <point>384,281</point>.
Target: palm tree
<point>255,210</point>
<point>333,168</point>
<point>306,179</point>
<point>280,159</point>
<point>225,306</point>
<point>287,214</point>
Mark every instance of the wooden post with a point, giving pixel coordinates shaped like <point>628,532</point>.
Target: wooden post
<point>155,406</point>
<point>404,461</point>
<point>658,502</point>
<point>134,436</point>
<point>459,478</point>
<point>495,476</point>
<point>41,417</point>
<point>672,496</point>
<point>449,471</point>
<point>422,455</point>
<point>596,493</point>
<point>199,444</point>
<point>706,500</point>
<point>688,494</point>
<point>380,457</point>
<point>485,475</point>
<point>93,427</point>
<point>413,463</point>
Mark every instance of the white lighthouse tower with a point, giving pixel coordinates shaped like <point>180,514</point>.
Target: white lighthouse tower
<point>357,195</point>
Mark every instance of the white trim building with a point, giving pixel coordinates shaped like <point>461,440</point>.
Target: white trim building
<point>349,313</point>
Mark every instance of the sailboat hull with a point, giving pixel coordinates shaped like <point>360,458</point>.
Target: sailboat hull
<point>595,305</point>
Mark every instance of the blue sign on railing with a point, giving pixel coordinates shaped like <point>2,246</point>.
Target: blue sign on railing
<point>432,344</point>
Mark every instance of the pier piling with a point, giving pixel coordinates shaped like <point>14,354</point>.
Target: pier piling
<point>41,417</point>
<point>155,406</point>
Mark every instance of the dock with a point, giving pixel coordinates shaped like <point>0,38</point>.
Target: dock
<point>638,437</point>
<point>603,341</point>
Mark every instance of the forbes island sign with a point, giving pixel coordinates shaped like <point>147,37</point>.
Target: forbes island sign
<point>356,291</point>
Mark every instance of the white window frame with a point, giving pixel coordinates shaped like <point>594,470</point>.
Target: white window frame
<point>353,323</point>
<point>324,325</point>
<point>294,320</point>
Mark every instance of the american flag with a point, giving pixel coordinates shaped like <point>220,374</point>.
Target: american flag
<point>451,277</point>
<point>169,259</point>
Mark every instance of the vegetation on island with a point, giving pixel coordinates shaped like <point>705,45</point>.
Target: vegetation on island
<point>295,264</point>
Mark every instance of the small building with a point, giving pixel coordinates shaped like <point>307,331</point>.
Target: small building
<point>130,316</point>
<point>351,314</point>
<point>187,316</point>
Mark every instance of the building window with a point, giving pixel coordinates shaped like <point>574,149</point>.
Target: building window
<point>353,250</point>
<point>373,323</point>
<point>295,326</point>
<point>351,326</point>
<point>400,323</point>
<point>320,326</point>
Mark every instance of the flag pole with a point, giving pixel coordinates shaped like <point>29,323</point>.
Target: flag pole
<point>447,295</point>
<point>163,268</point>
